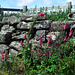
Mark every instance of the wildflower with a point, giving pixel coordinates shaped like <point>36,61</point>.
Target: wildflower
<point>40,42</point>
<point>2,56</point>
<point>39,53</point>
<point>41,57</point>
<point>42,14</point>
<point>60,51</point>
<point>4,61</point>
<point>55,44</point>
<point>65,37</point>
<point>71,33</point>
<point>43,54</point>
<point>21,44</point>
<point>25,37</point>
<point>50,54</point>
<point>38,50</point>
<point>51,27</point>
<point>49,40</point>
<point>47,45</point>
<point>65,25</point>
<point>71,29</point>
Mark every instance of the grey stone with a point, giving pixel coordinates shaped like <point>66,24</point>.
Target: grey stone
<point>7,28</point>
<point>40,33</point>
<point>3,48</point>
<point>71,16</point>
<point>42,24</point>
<point>19,34</point>
<point>57,25</point>
<point>73,26</point>
<point>10,20</point>
<point>24,25</point>
<point>5,20</point>
<point>13,52</point>
<point>13,20</point>
<point>5,37</point>
<point>55,36</point>
<point>16,45</point>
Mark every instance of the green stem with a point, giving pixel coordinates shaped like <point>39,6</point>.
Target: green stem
<point>31,28</point>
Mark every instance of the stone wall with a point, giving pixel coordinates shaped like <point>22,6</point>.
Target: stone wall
<point>12,31</point>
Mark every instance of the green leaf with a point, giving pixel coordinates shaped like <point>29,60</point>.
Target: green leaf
<point>73,44</point>
<point>28,48</point>
<point>50,70</point>
<point>21,52</point>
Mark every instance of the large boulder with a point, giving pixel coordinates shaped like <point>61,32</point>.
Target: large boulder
<point>11,20</point>
<point>5,37</point>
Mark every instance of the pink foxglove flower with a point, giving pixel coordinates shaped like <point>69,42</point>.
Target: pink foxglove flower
<point>47,45</point>
<point>65,25</point>
<point>40,42</point>
<point>45,52</point>
<point>49,40</point>
<point>71,29</point>
<point>2,56</point>
<point>39,53</point>
<point>21,44</point>
<point>25,36</point>
<point>41,57</point>
<point>38,50</point>
<point>65,37</point>
<point>4,61</point>
<point>42,14</point>
<point>50,54</point>
<point>71,33</point>
<point>60,51</point>
<point>55,44</point>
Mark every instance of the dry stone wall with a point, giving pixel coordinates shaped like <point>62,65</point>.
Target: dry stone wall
<point>12,31</point>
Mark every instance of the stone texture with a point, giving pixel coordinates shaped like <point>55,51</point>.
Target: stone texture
<point>16,45</point>
<point>3,48</point>
<point>73,27</point>
<point>71,16</point>
<point>10,20</point>
<point>57,25</point>
<point>5,20</point>
<point>13,30</point>
<point>43,24</point>
<point>13,52</point>
<point>7,28</point>
<point>5,37</point>
<point>40,33</point>
<point>24,25</point>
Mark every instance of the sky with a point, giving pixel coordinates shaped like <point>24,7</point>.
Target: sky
<point>18,4</point>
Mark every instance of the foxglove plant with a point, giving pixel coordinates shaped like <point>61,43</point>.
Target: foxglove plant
<point>27,52</point>
<point>65,25</point>
<point>4,56</point>
<point>40,42</point>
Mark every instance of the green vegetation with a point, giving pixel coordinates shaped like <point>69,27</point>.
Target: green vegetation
<point>57,60</point>
<point>8,15</point>
<point>56,16</point>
